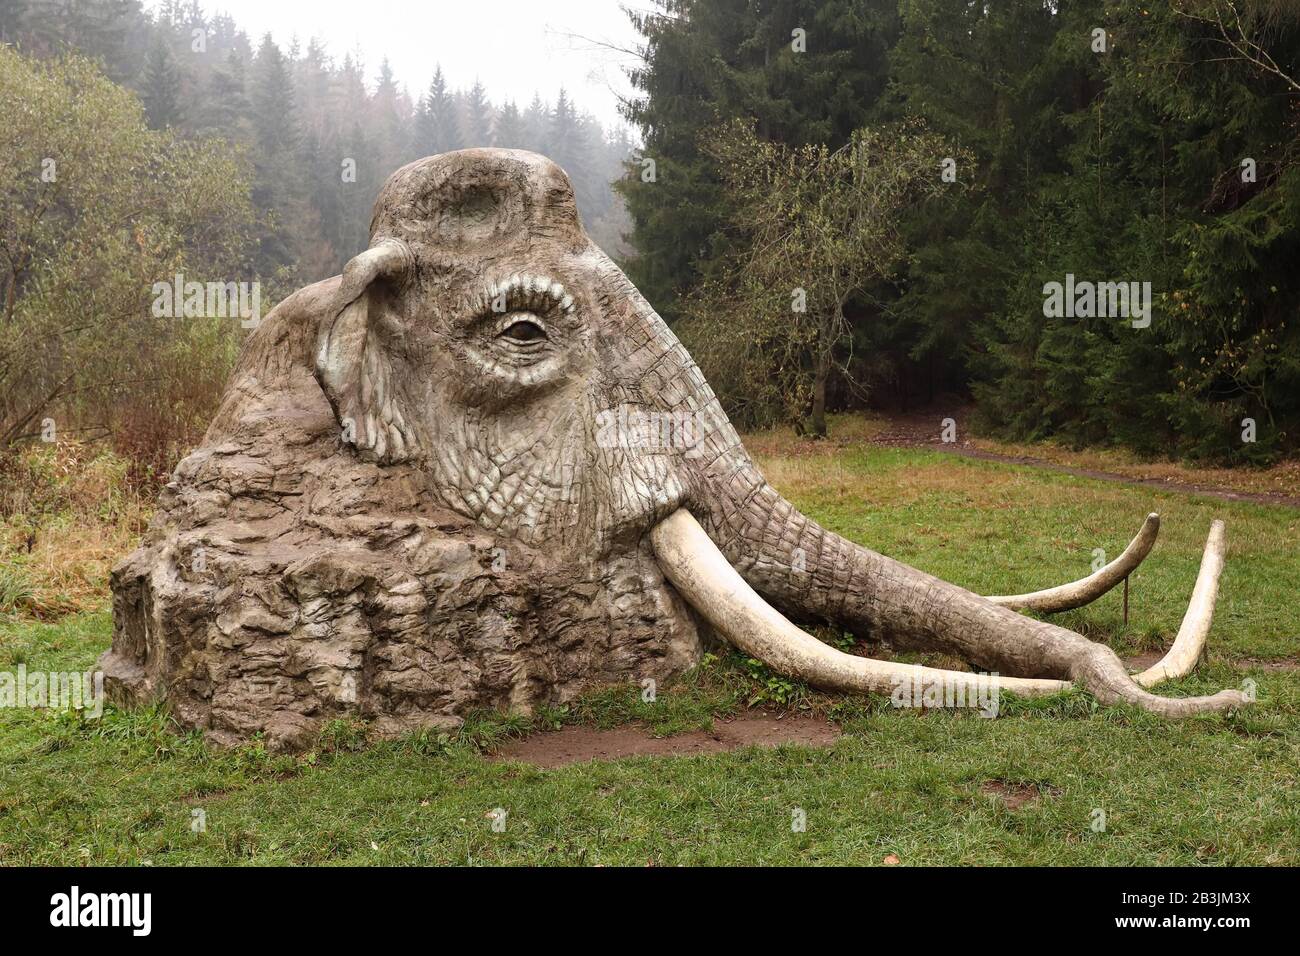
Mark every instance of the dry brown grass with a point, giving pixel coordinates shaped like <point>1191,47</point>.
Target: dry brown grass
<point>838,482</point>
<point>844,431</point>
<point>1282,478</point>
<point>67,568</point>
<point>779,447</point>
<point>67,512</point>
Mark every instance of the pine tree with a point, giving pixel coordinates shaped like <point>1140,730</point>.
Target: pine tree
<point>536,122</point>
<point>386,121</point>
<point>435,124</point>
<point>561,129</point>
<point>476,118</point>
<point>275,132</point>
<point>511,132</point>
<point>161,93</point>
<point>272,100</point>
<point>225,107</point>
<point>224,34</point>
<point>313,78</point>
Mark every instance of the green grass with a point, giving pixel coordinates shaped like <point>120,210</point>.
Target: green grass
<point>1213,790</point>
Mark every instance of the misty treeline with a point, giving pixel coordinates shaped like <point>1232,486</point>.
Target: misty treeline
<point>137,145</point>
<point>324,130</point>
<point>1168,154</point>
<point>1113,140</point>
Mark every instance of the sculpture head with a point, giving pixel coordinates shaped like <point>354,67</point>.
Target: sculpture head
<point>484,339</point>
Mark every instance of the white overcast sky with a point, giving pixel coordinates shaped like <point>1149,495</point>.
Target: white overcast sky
<point>514,47</point>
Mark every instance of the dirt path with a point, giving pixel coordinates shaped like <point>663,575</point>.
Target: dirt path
<point>581,744</point>
<point>918,432</point>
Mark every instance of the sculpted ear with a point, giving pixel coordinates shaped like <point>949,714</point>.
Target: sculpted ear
<point>351,364</point>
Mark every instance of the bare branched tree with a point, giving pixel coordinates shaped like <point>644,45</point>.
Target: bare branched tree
<point>94,209</point>
<point>1242,26</point>
<point>814,229</point>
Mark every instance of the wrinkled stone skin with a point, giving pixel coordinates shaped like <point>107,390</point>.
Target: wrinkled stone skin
<point>290,576</point>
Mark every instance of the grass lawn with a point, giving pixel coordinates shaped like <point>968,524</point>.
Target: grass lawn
<point>919,787</point>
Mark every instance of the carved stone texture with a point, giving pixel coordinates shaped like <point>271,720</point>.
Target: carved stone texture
<point>286,580</point>
<point>478,471</point>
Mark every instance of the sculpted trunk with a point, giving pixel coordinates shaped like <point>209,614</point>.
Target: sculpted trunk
<point>478,471</point>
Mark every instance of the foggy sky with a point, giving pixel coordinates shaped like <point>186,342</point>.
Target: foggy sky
<point>514,47</point>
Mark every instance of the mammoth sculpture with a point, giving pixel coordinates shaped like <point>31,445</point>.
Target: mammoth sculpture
<point>412,504</point>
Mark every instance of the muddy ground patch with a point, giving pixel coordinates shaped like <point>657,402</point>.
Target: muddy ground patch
<point>581,744</point>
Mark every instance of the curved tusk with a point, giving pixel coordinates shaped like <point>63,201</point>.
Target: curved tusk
<point>695,566</point>
<point>1189,643</point>
<point>1085,590</point>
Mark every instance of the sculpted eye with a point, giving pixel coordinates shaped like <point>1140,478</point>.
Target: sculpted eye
<point>524,330</point>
